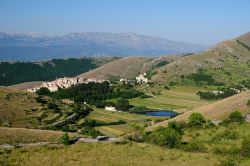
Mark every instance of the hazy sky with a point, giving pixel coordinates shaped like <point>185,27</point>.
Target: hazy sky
<point>196,21</point>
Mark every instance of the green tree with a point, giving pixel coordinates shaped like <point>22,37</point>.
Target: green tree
<point>122,104</point>
<point>65,139</point>
<point>196,120</point>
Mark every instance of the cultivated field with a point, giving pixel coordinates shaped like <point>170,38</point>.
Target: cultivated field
<point>180,99</point>
<point>215,111</point>
<point>132,121</point>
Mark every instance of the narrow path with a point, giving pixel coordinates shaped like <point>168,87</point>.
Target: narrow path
<point>75,140</point>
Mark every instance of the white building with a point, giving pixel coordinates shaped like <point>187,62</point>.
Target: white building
<point>141,78</point>
<point>109,108</point>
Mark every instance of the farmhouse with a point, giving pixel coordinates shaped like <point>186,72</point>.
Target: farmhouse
<point>141,78</point>
<point>109,108</point>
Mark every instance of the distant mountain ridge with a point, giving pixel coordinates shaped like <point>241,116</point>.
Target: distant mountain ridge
<point>33,47</point>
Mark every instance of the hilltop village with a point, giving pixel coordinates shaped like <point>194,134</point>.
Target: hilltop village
<point>66,82</point>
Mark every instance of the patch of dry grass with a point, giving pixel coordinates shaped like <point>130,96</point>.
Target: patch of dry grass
<point>22,135</point>
<point>107,154</point>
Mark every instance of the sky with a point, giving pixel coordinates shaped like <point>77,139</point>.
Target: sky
<point>195,21</point>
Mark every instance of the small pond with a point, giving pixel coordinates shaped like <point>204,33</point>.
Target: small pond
<point>161,113</point>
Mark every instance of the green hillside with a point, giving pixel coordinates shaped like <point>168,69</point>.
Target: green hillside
<point>226,63</point>
<point>19,72</point>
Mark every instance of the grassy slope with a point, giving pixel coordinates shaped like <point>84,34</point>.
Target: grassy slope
<point>26,85</point>
<point>106,154</point>
<point>227,62</point>
<point>128,67</point>
<point>18,107</point>
<point>22,135</point>
<point>217,110</point>
<point>181,99</point>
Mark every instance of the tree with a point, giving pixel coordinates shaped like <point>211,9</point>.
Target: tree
<point>236,117</point>
<point>122,104</point>
<point>196,120</point>
<point>65,139</point>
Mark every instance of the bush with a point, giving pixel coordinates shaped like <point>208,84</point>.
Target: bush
<point>245,147</point>
<point>122,104</point>
<point>226,135</point>
<point>177,126</point>
<point>43,91</point>
<point>194,147</point>
<point>248,103</point>
<point>52,106</point>
<point>236,116</point>
<point>65,139</point>
<point>138,109</point>
<point>196,120</point>
<point>145,96</point>
<point>40,100</point>
<point>164,137</point>
<point>90,131</point>
<point>167,87</point>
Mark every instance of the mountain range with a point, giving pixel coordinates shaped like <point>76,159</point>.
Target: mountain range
<point>34,47</point>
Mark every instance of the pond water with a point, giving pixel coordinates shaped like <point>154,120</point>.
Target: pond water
<point>161,113</point>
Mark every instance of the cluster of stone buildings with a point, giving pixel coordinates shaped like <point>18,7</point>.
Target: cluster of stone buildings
<point>141,78</point>
<point>64,82</point>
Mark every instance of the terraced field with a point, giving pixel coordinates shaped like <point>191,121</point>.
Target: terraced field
<point>132,121</point>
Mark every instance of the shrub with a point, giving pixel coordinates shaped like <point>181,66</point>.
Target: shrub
<point>138,109</point>
<point>122,104</point>
<point>177,126</point>
<point>167,87</point>
<point>43,91</point>
<point>226,135</point>
<point>40,99</point>
<point>65,139</point>
<point>236,116</point>
<point>196,120</point>
<point>145,96</point>
<point>248,103</point>
<point>52,106</point>
<point>245,147</point>
<point>194,147</point>
<point>164,137</point>
<point>90,131</point>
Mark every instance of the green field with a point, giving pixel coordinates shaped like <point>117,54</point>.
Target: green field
<point>181,98</point>
<point>132,121</point>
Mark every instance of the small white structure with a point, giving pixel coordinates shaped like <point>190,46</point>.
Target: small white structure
<point>216,122</point>
<point>109,108</point>
<point>141,78</point>
<point>218,92</point>
<point>247,118</point>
